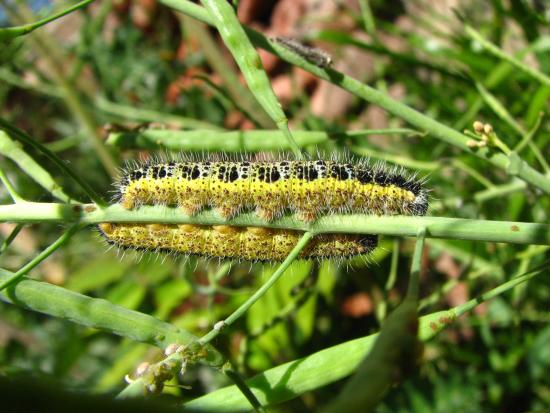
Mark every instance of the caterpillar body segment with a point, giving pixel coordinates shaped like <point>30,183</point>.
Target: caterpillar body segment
<point>243,243</point>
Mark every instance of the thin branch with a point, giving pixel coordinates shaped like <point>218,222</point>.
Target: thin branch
<point>13,150</point>
<point>236,141</point>
<point>416,265</point>
<point>495,292</point>
<point>39,258</point>
<point>11,32</point>
<point>23,137</point>
<point>9,239</point>
<point>399,225</point>
<point>148,115</point>
<point>498,52</point>
<point>245,390</point>
<point>219,326</point>
<point>10,188</point>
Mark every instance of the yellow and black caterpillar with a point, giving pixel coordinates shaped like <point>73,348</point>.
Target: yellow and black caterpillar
<point>223,241</point>
<point>308,188</point>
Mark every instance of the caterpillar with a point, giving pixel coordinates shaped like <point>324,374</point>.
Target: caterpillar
<point>271,188</point>
<point>312,54</point>
<point>223,241</point>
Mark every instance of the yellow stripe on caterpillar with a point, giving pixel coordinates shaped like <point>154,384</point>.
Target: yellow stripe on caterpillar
<point>308,188</point>
<point>242,243</point>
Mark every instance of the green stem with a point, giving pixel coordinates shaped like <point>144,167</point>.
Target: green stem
<point>11,32</point>
<point>148,115</point>
<point>13,150</point>
<point>468,306</point>
<point>394,266</point>
<point>500,190</point>
<point>528,137</point>
<point>6,243</point>
<point>397,159</point>
<point>245,390</point>
<point>223,17</point>
<point>496,51</point>
<point>416,265</point>
<point>368,18</point>
<point>294,147</point>
<point>9,187</point>
<point>39,258</point>
<point>399,225</point>
<point>456,162</point>
<point>235,141</point>
<point>260,292</point>
<point>241,97</point>
<point>26,139</point>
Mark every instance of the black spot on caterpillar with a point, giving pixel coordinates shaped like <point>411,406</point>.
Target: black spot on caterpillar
<point>223,241</point>
<point>308,188</point>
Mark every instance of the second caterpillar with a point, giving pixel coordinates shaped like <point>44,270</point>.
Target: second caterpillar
<point>242,243</point>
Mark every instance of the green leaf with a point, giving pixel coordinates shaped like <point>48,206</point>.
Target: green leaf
<point>128,294</point>
<point>97,274</point>
<point>169,295</point>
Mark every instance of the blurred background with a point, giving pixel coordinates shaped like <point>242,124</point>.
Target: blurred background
<point>134,65</point>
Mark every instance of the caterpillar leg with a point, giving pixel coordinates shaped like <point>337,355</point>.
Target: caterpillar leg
<point>189,208</point>
<point>268,214</point>
<point>127,202</point>
<point>227,211</point>
<point>307,215</point>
